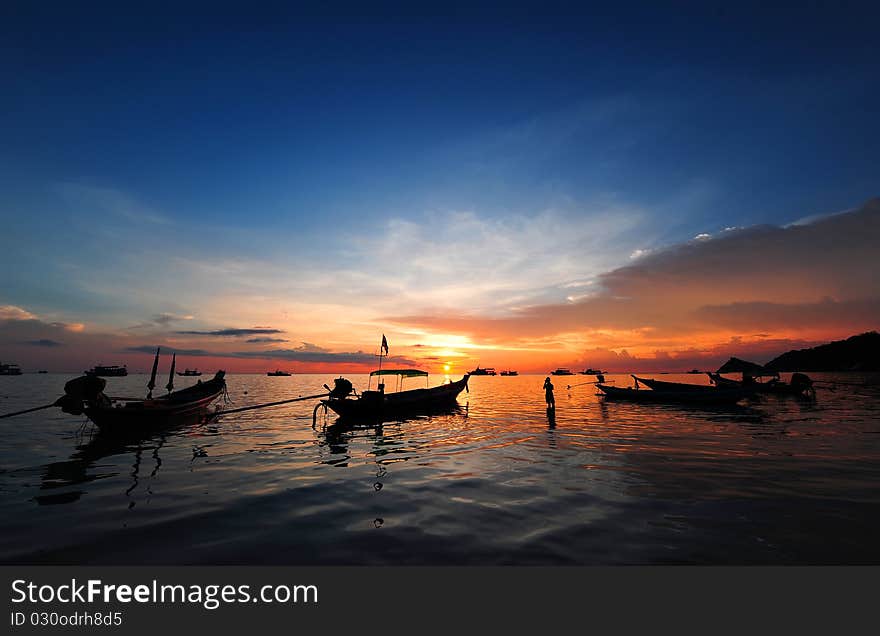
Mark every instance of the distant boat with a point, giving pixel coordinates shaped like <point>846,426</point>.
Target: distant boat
<point>10,369</point>
<point>107,371</point>
<point>189,372</point>
<point>694,371</point>
<point>561,371</point>
<point>590,372</point>
<point>277,372</point>
<point>42,371</point>
<point>508,372</point>
<point>378,405</point>
<point>486,371</point>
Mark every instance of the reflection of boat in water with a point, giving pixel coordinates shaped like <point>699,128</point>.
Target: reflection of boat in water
<point>486,371</point>
<point>277,372</point>
<point>668,392</point>
<point>508,372</point>
<point>337,435</point>
<point>110,371</point>
<point>10,369</point>
<point>80,469</point>
<point>373,405</point>
<point>561,371</point>
<point>123,416</point>
<point>189,372</point>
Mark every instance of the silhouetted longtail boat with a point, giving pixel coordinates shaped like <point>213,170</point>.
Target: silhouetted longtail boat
<point>378,405</point>
<point>753,377</point>
<point>661,385</point>
<point>712,395</point>
<point>127,416</point>
<point>800,384</point>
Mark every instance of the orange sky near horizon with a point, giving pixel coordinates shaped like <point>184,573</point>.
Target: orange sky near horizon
<point>749,292</point>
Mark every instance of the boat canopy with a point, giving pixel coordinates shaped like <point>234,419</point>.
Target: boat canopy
<point>406,373</point>
<point>736,365</point>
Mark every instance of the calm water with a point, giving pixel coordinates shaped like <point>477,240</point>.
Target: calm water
<point>777,480</point>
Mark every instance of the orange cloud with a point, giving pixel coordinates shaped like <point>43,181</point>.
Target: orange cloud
<point>795,283</point>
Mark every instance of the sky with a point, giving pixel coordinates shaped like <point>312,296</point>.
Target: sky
<point>636,187</point>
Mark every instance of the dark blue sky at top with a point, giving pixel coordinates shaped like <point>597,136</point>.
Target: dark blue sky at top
<point>271,115</point>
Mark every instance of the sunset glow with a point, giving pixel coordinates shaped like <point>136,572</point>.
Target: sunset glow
<point>663,221</point>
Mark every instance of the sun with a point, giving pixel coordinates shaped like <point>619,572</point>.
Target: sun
<point>446,368</point>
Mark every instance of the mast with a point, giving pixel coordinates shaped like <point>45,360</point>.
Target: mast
<point>170,385</point>
<point>152,383</point>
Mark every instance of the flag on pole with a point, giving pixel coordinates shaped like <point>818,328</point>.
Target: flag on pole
<point>384,345</point>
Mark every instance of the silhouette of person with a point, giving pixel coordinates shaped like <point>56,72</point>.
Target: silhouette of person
<point>548,393</point>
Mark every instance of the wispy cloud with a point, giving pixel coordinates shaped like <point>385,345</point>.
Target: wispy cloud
<point>230,333</point>
<point>43,342</point>
<point>151,349</point>
<point>816,276</point>
<point>305,354</point>
<point>11,312</point>
<point>111,201</point>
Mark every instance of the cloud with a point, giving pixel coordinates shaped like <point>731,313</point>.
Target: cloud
<point>816,276</point>
<point>265,340</point>
<point>11,312</point>
<point>455,258</point>
<point>162,320</point>
<point>43,342</point>
<point>305,354</point>
<point>231,333</point>
<point>166,318</point>
<point>151,349</point>
<point>301,355</point>
<point>111,201</point>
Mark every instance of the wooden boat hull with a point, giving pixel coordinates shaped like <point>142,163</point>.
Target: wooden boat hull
<point>775,387</point>
<point>711,396</point>
<point>187,406</point>
<point>374,405</point>
<point>684,387</point>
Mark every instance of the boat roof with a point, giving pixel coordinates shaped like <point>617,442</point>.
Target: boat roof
<point>737,365</point>
<point>407,373</point>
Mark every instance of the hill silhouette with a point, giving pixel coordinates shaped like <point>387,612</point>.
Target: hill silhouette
<point>858,353</point>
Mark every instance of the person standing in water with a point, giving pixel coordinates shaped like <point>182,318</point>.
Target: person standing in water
<point>548,393</point>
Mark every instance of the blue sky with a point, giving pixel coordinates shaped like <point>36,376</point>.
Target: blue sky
<point>229,164</point>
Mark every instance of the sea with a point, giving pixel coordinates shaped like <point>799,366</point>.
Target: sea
<point>496,480</point>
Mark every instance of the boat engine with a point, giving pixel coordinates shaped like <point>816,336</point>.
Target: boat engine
<point>342,388</point>
<point>801,382</point>
<point>84,389</point>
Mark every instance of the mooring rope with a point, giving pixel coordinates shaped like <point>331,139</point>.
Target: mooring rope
<point>261,406</point>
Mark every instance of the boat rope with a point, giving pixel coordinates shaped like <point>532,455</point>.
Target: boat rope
<point>36,408</point>
<point>571,386</point>
<point>262,406</point>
